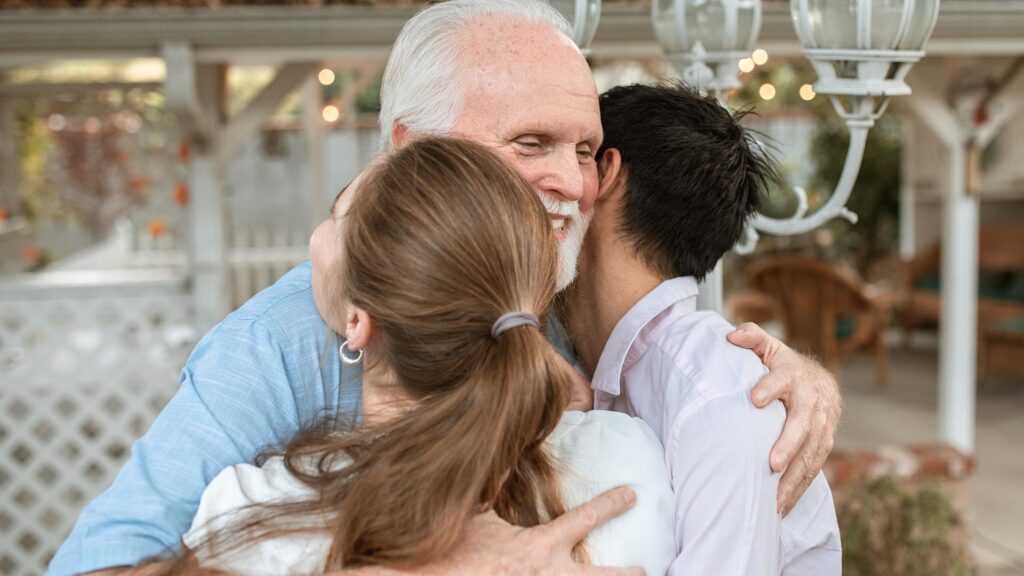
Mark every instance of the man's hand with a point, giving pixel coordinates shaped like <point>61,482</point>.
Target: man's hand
<point>813,407</point>
<point>492,546</point>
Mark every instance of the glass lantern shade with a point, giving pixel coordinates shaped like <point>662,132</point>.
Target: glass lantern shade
<point>706,39</point>
<point>584,16</point>
<point>724,28</point>
<point>863,48</point>
<point>902,25</point>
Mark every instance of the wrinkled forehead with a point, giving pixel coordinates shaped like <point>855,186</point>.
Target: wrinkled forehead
<point>539,76</point>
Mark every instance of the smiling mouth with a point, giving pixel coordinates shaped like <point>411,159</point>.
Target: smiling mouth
<point>559,223</point>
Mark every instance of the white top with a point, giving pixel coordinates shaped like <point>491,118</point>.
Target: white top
<point>672,366</point>
<point>596,451</point>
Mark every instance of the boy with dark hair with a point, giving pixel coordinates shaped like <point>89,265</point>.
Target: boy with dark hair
<point>694,175</point>
<point>680,177</point>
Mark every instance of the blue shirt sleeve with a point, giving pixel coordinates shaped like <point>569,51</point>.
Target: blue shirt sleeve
<point>249,385</point>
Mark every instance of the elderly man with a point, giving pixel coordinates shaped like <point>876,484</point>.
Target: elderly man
<point>503,73</point>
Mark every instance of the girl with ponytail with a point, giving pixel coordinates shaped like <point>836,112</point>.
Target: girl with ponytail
<point>447,271</point>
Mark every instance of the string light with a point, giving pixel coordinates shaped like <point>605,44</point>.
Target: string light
<point>746,65</point>
<point>807,92</point>
<point>326,77</point>
<point>760,57</point>
<point>331,113</point>
<point>767,91</point>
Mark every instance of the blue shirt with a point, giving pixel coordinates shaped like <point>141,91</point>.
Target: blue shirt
<point>251,383</point>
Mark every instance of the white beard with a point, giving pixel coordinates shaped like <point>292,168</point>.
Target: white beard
<point>575,230</point>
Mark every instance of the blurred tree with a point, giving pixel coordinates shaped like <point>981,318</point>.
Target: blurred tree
<point>891,527</point>
<point>875,197</point>
<point>92,175</point>
<point>93,158</point>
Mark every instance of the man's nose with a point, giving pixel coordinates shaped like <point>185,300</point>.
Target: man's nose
<point>566,175</point>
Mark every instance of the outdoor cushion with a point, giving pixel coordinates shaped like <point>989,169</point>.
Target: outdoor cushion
<point>994,284</point>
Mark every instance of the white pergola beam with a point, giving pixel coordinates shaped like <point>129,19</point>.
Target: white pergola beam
<point>181,89</point>
<point>1003,108</point>
<point>246,123</point>
<point>930,108</point>
<point>36,90</point>
<point>293,33</point>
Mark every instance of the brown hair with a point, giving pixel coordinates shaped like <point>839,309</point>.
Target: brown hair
<point>443,239</point>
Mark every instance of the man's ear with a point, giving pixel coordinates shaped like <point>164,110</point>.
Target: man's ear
<point>400,135</point>
<point>610,169</point>
<point>359,327</point>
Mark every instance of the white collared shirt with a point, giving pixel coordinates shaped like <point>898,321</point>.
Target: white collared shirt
<point>673,367</point>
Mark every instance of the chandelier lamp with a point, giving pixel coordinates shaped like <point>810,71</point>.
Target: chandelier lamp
<point>861,50</point>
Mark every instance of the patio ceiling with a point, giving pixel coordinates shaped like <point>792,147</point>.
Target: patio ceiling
<point>269,34</point>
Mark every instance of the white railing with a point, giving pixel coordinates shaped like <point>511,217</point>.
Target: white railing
<point>259,257</point>
<point>87,360</point>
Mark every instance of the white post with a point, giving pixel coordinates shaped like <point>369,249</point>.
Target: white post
<point>908,212</point>
<point>196,94</point>
<point>311,104</point>
<point>208,239</point>
<point>958,346</point>
<point>712,291</point>
<point>8,153</point>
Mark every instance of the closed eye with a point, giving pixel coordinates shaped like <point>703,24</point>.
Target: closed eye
<point>334,205</point>
<point>529,145</point>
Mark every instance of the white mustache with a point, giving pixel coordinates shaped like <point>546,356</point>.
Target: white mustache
<point>567,208</point>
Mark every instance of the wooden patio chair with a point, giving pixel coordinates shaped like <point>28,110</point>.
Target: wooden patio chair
<point>824,310</point>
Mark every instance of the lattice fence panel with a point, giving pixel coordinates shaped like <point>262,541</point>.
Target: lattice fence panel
<point>83,372</point>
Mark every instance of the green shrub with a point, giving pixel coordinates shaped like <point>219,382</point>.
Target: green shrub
<point>891,527</point>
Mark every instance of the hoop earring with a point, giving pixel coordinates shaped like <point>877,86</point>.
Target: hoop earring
<point>345,355</point>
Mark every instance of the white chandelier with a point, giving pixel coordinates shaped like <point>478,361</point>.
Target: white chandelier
<point>706,40</point>
<point>861,50</point>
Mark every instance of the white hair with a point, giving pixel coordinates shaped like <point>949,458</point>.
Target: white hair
<point>421,89</point>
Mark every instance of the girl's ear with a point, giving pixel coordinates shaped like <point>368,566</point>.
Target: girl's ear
<point>359,327</point>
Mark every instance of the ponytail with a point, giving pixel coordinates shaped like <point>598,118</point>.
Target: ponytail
<point>395,509</point>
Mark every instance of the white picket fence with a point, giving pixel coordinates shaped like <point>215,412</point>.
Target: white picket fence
<point>258,257</point>
<point>89,355</point>
<point>87,360</point>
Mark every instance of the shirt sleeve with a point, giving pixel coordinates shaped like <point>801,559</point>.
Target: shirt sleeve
<point>724,490</point>
<point>234,400</point>
<point>226,501</point>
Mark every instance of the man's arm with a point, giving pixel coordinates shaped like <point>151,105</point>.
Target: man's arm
<point>234,400</point>
<point>813,405</point>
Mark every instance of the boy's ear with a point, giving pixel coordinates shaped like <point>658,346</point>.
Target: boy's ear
<point>609,167</point>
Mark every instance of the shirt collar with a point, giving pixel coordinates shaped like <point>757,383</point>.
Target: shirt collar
<point>608,374</point>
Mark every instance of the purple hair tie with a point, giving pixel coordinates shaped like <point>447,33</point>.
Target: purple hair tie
<point>513,320</point>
